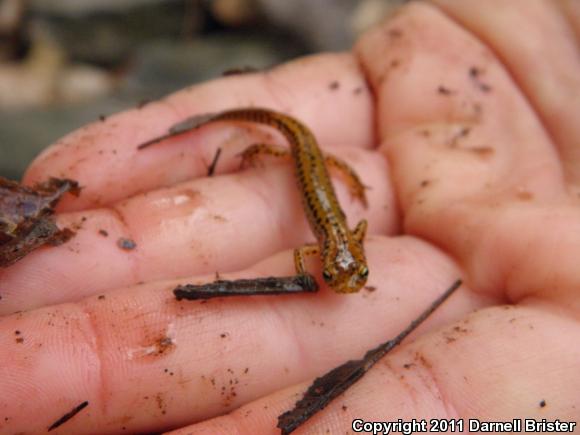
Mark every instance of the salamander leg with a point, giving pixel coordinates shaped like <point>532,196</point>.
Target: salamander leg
<point>360,230</point>
<point>253,152</point>
<point>348,176</point>
<point>301,253</point>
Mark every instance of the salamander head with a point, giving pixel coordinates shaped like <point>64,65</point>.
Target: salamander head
<point>346,278</point>
<point>344,268</point>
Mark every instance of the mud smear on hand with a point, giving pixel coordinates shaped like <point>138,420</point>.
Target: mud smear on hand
<point>26,217</point>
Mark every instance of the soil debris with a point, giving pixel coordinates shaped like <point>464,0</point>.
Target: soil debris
<point>26,217</point>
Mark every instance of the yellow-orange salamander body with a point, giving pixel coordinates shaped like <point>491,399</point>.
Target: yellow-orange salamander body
<point>342,253</point>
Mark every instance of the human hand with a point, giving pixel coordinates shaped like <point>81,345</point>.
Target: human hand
<point>481,182</point>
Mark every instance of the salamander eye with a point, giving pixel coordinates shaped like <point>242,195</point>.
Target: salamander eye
<point>326,275</point>
<point>363,272</point>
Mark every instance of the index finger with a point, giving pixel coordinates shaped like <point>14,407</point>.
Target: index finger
<point>104,158</point>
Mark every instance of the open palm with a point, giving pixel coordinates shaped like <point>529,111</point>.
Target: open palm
<point>462,120</point>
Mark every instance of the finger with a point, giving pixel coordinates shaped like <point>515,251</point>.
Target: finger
<point>475,171</point>
<point>205,225</point>
<point>104,158</point>
<point>458,374</point>
<point>519,39</point>
<point>146,362</point>
<point>571,10</point>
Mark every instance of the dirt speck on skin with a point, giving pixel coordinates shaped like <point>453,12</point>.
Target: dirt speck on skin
<point>476,73</point>
<point>218,218</point>
<point>484,151</point>
<point>126,244</point>
<point>394,33</point>
<point>442,90</point>
<point>154,348</point>
<point>164,345</point>
<point>228,391</point>
<point>421,358</point>
<point>160,404</point>
<point>524,195</point>
<point>461,134</point>
<point>19,339</point>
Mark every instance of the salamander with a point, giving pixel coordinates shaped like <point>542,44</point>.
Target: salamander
<point>344,266</point>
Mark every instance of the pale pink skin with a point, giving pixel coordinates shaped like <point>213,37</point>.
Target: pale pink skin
<point>498,207</point>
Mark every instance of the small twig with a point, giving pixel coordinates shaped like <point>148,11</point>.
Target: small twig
<point>212,166</point>
<point>329,386</point>
<point>181,127</point>
<point>247,287</point>
<point>240,71</point>
<point>68,416</point>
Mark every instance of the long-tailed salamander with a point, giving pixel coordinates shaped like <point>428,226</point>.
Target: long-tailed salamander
<point>342,253</point>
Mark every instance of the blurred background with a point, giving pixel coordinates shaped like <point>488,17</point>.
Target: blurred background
<point>64,63</point>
